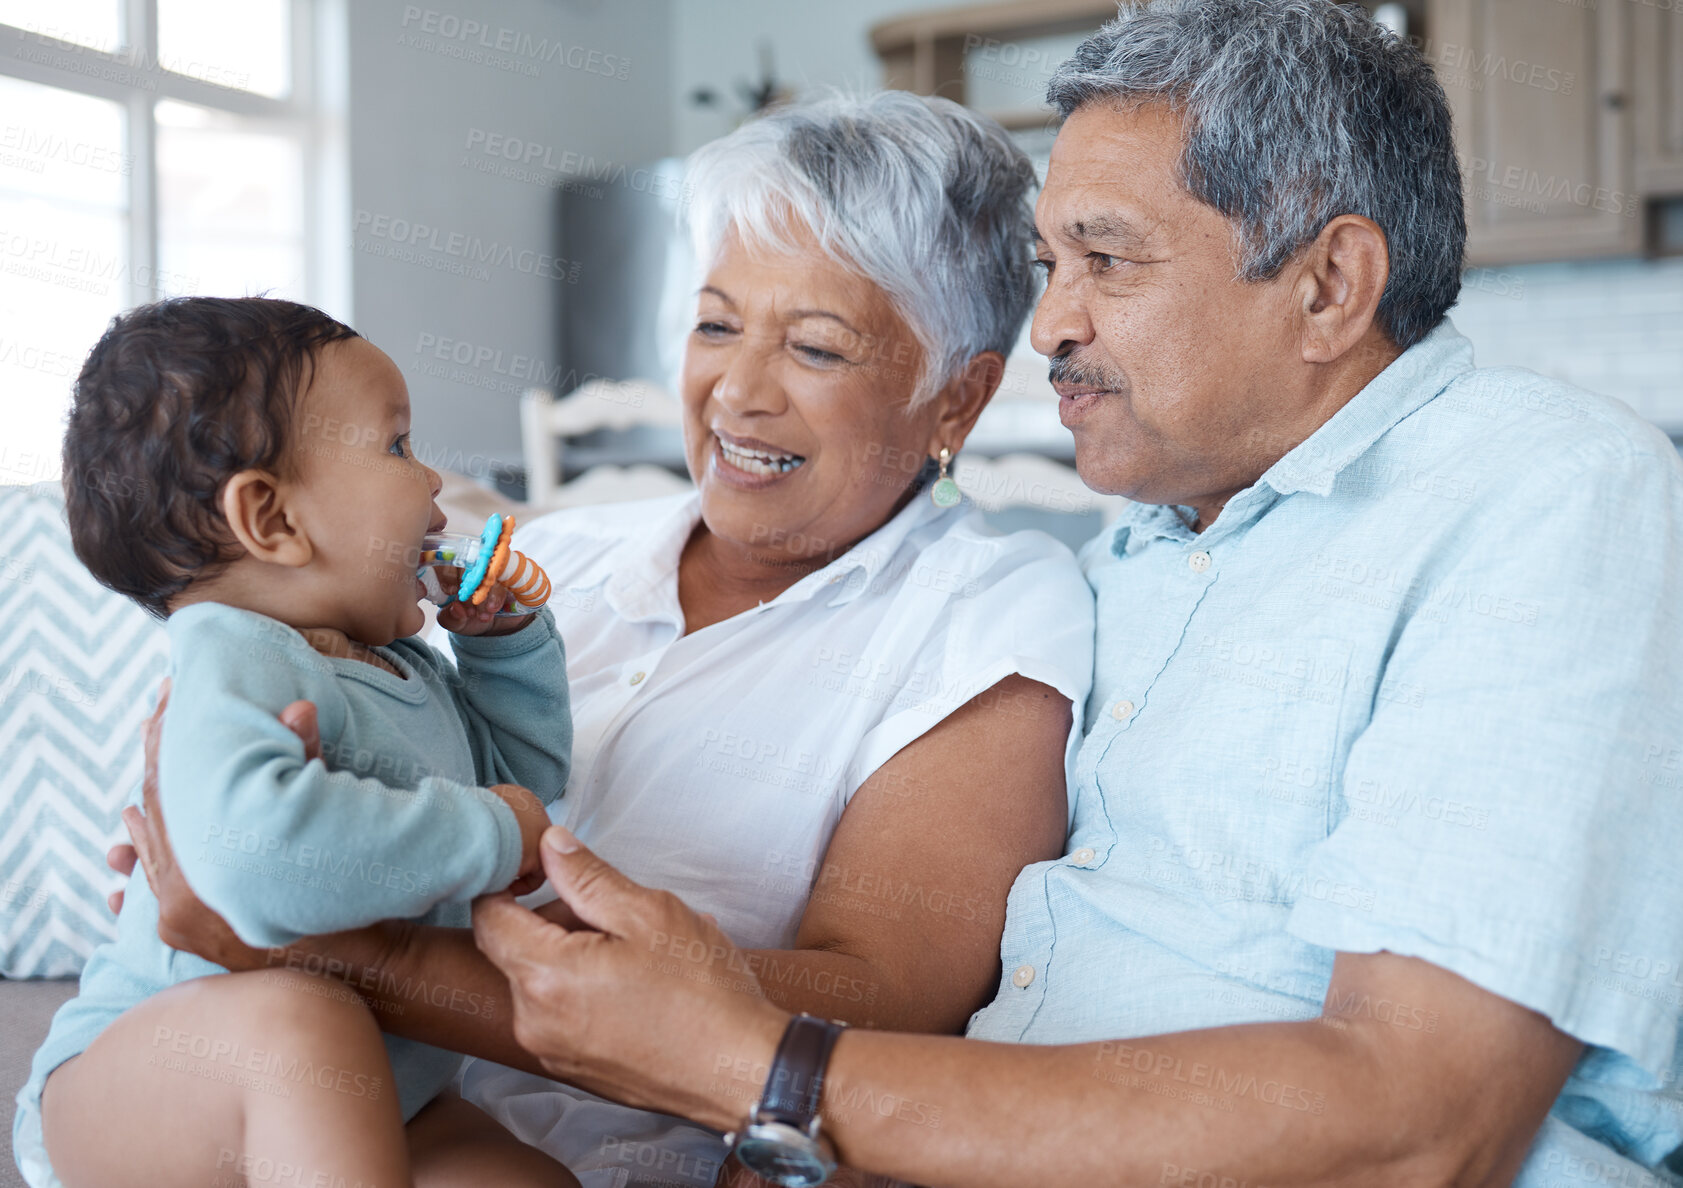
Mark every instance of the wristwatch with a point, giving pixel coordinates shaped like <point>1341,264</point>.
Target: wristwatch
<point>780,1141</point>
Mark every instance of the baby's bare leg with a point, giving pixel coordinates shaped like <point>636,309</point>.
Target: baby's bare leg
<point>230,1080</point>
<point>453,1144</point>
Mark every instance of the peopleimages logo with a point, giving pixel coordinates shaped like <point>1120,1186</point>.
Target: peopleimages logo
<point>36,146</point>
<point>488,151</point>
<point>404,239</point>
<point>448,28</point>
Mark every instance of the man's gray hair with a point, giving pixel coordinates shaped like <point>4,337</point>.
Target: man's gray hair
<point>1296,111</point>
<point>926,199</point>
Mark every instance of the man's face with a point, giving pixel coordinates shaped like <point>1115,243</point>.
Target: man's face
<point>1181,383</point>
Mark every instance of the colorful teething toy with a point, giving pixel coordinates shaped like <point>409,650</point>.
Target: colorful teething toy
<point>485,560</point>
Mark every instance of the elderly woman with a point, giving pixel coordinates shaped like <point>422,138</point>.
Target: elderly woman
<point>817,698</point>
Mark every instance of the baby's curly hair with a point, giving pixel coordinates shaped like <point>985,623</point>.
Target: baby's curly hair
<point>175,399</point>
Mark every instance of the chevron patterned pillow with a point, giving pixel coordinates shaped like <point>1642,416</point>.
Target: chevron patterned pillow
<point>79,672</point>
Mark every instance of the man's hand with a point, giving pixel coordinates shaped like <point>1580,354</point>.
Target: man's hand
<point>655,1007</point>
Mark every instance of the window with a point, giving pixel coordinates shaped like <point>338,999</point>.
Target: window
<point>151,148</point>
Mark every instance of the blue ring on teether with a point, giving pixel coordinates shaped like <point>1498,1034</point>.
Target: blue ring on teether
<point>475,573</point>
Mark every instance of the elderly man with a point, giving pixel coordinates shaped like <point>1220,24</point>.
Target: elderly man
<point>1372,875</point>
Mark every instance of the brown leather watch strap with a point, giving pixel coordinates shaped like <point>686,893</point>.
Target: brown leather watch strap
<point>795,1084</point>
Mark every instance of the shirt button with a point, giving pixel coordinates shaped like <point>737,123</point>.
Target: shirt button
<point>1199,561</point>
<point>1023,975</point>
<point>638,678</point>
<point>1082,856</point>
<point>1122,710</point>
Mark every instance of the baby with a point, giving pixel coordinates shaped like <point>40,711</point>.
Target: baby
<point>241,468</point>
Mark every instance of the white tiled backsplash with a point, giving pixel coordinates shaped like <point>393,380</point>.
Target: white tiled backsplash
<point>1612,326</point>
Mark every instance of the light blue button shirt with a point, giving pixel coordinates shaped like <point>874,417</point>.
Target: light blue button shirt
<point>1420,688</point>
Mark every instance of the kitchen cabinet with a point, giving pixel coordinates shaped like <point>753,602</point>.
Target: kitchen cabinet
<point>1657,42</point>
<point>1568,113</point>
<point>1542,93</point>
<point>927,52</point>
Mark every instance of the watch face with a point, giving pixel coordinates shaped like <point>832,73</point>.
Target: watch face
<point>782,1162</point>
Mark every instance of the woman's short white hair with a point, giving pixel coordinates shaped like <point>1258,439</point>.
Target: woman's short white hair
<point>926,199</point>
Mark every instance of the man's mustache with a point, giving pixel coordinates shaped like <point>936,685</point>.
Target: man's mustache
<point>1068,369</point>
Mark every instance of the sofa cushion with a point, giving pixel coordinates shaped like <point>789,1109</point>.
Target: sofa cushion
<point>27,1008</point>
<point>79,672</point>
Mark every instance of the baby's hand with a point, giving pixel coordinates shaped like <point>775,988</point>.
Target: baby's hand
<point>534,819</point>
<point>466,619</point>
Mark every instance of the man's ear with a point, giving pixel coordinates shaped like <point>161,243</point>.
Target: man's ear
<point>964,398</point>
<point>1341,279</point>
<point>253,504</point>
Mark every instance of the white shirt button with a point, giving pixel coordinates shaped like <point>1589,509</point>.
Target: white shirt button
<point>1022,976</point>
<point>1199,561</point>
<point>637,679</point>
<point>1082,856</point>
<point>1122,710</point>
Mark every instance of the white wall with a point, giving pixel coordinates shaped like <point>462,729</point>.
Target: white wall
<point>431,97</point>
<point>815,43</point>
<point>1612,326</point>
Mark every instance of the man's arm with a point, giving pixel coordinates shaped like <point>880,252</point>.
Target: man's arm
<point>1352,1098</point>
<point>1345,1099</point>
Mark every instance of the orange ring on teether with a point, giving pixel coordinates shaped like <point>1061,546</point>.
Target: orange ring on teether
<point>494,571</point>
<point>527,581</point>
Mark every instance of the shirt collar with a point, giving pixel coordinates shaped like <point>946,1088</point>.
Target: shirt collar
<point>1414,377</point>
<point>641,569</point>
<point>1149,521</point>
<point>857,570</point>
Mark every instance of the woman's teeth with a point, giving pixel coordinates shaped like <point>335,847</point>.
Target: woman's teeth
<point>759,461</point>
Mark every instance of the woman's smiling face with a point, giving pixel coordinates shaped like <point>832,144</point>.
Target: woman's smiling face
<point>797,378</point>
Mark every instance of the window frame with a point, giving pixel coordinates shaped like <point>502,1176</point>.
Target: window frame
<point>313,111</point>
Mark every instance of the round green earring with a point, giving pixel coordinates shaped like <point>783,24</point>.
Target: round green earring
<point>945,492</point>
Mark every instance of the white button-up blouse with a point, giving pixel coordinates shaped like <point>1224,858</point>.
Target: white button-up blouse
<point>717,764</point>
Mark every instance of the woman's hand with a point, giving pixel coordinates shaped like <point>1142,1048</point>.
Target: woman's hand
<point>184,922</point>
<point>655,1007</point>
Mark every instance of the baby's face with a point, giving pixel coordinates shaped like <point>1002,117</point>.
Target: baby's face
<point>366,499</point>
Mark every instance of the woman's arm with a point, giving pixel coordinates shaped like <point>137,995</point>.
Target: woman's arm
<point>422,982</point>
<point>902,930</point>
